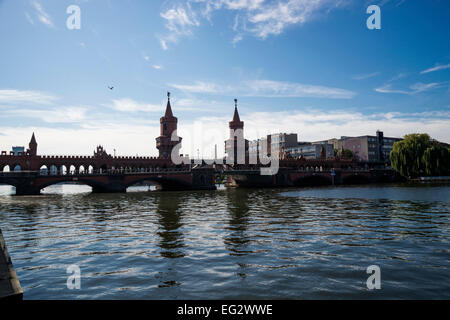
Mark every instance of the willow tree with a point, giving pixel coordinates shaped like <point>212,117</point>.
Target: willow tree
<point>417,154</point>
<point>436,160</point>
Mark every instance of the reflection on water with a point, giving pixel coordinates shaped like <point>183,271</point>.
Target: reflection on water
<point>272,243</point>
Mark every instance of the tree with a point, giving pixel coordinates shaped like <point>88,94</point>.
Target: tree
<point>347,154</point>
<point>419,155</point>
<point>436,160</point>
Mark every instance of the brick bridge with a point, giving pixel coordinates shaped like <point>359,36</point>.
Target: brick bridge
<point>29,172</point>
<point>302,172</point>
<point>290,177</point>
<point>32,182</point>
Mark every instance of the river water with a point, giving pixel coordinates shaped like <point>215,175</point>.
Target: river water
<point>231,244</point>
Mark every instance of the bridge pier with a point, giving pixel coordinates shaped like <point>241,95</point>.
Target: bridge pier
<point>109,189</point>
<point>27,190</point>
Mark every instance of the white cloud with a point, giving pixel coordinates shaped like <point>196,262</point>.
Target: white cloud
<point>157,67</point>
<point>9,96</point>
<point>272,19</point>
<point>413,89</point>
<point>163,44</point>
<point>436,68</point>
<point>365,76</point>
<point>205,132</point>
<point>268,88</point>
<point>236,39</point>
<point>130,105</point>
<point>257,17</point>
<point>179,21</point>
<point>202,87</point>
<point>42,15</point>
<point>52,115</point>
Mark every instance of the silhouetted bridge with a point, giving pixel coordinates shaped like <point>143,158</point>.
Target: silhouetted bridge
<point>290,177</point>
<point>32,182</point>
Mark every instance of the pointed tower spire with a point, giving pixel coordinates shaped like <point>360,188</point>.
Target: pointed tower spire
<point>168,113</point>
<point>32,146</point>
<point>236,113</point>
<point>33,139</point>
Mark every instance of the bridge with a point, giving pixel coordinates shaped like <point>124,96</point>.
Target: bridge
<point>112,181</point>
<point>292,177</point>
<point>29,172</point>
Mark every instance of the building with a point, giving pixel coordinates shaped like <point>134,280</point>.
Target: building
<point>168,125</point>
<point>311,151</point>
<point>281,142</point>
<point>334,142</point>
<point>369,148</point>
<point>273,142</point>
<point>236,147</point>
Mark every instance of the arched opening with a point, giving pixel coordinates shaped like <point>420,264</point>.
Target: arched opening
<point>43,170</point>
<point>6,168</point>
<point>53,170</point>
<point>7,190</point>
<point>17,168</point>
<point>103,168</point>
<point>81,170</point>
<point>66,187</point>
<point>63,170</point>
<point>144,186</point>
<point>90,169</point>
<point>72,169</point>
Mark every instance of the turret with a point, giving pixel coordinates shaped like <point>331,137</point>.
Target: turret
<point>32,146</point>
<point>168,124</point>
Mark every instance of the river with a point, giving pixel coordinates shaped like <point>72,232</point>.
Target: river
<point>311,243</point>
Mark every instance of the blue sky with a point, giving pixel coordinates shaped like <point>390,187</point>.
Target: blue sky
<point>309,67</point>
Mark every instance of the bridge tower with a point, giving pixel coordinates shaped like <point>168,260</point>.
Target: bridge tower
<point>32,146</point>
<point>236,140</point>
<point>168,125</point>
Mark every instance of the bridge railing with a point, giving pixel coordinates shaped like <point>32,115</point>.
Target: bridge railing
<point>93,173</point>
<point>312,170</point>
<point>113,172</point>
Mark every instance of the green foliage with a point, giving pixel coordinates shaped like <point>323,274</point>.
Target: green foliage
<point>348,154</point>
<point>419,155</point>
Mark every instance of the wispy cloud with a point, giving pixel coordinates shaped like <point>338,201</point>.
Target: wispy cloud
<point>30,20</point>
<point>42,15</point>
<point>52,115</point>
<point>413,89</point>
<point>259,18</point>
<point>365,76</point>
<point>179,21</point>
<point>268,88</point>
<point>9,96</point>
<point>202,87</point>
<point>436,68</point>
<point>130,105</point>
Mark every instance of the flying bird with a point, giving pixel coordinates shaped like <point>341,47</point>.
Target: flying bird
<point>110,88</point>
